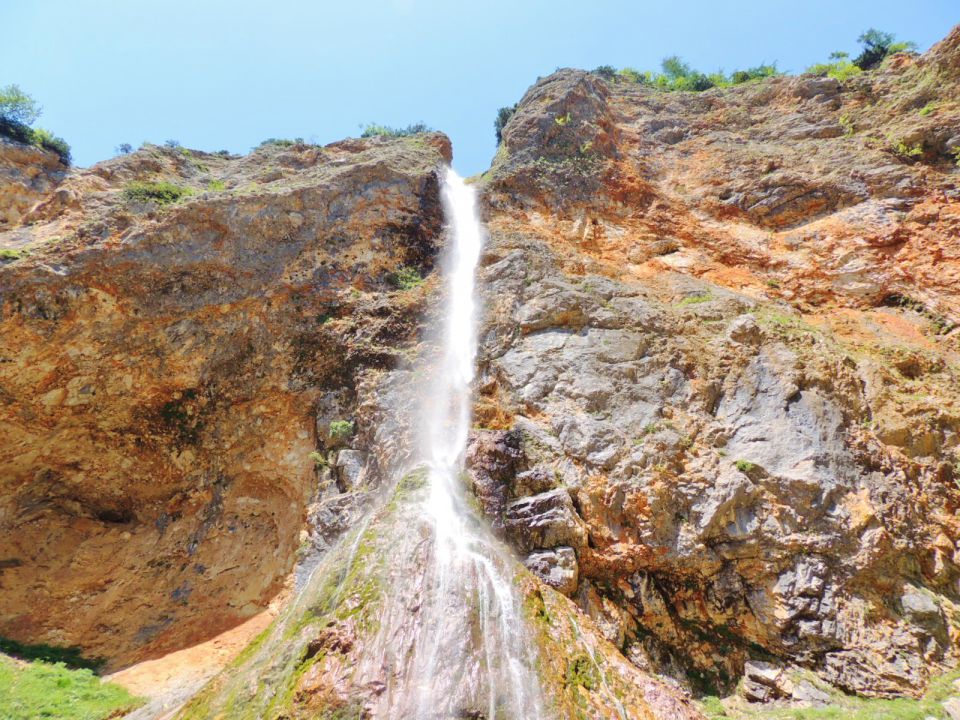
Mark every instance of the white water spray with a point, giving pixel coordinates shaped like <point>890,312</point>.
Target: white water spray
<point>467,654</point>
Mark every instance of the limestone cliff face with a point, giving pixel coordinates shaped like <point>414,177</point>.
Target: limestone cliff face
<point>721,332</point>
<point>166,373</point>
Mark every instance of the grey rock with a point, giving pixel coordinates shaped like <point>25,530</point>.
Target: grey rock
<point>546,520</point>
<point>557,568</point>
<point>351,469</point>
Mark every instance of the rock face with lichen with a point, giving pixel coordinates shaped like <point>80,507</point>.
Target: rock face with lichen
<point>723,325</point>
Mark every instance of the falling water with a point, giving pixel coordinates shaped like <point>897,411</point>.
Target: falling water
<point>467,655</point>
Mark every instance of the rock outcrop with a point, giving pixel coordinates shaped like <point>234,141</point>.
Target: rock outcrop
<point>725,326</point>
<point>169,376</point>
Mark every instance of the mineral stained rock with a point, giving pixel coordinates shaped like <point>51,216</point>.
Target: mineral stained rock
<point>725,326</point>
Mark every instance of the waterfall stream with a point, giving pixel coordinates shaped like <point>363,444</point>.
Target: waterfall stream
<point>468,655</point>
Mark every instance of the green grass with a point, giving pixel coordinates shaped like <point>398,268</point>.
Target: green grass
<point>406,278</point>
<point>216,186</point>
<point>37,690</point>
<point>161,193</point>
<point>745,466</point>
<point>696,299</point>
<point>10,254</point>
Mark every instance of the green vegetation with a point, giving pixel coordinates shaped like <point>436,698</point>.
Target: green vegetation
<point>216,186</point>
<point>375,130</point>
<point>677,75</point>
<point>282,142</point>
<point>406,278</point>
<point>905,150</point>
<point>581,673</point>
<point>11,254</point>
<point>844,707</point>
<point>340,430</point>
<point>745,466</point>
<point>847,124</point>
<point>161,193</point>
<point>18,111</point>
<point>877,45</point>
<point>696,299</point>
<point>30,691</point>
<point>319,461</point>
<point>929,108</point>
<point>840,69</point>
<point>503,117</point>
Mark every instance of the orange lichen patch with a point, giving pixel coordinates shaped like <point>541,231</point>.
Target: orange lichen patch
<point>618,559</point>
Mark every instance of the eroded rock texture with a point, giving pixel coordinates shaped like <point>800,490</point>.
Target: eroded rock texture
<point>724,327</point>
<point>166,373</point>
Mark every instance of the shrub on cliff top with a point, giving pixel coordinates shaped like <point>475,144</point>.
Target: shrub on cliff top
<point>18,111</point>
<point>503,117</point>
<point>375,130</point>
<point>161,193</point>
<point>678,75</point>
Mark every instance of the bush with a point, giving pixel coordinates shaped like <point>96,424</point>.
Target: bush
<point>758,72</point>
<point>607,72</point>
<point>172,144</point>
<point>124,149</point>
<point>503,117</point>
<point>842,69</point>
<point>18,107</point>
<point>341,430</point>
<point>282,142</point>
<point>876,46</point>
<point>161,193</point>
<point>375,130</point>
<point>48,141</point>
<point>406,278</point>
<point>677,75</point>
<point>17,112</point>
<point>745,466</point>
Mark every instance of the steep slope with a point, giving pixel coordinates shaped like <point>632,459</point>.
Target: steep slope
<point>721,332</point>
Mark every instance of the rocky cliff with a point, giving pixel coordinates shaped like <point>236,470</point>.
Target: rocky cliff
<point>718,406</point>
<point>720,368</point>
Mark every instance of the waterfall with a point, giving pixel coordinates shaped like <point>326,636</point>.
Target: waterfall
<point>467,654</point>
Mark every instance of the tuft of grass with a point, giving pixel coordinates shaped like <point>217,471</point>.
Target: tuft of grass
<point>35,690</point>
<point>745,466</point>
<point>696,299</point>
<point>216,186</point>
<point>11,254</point>
<point>161,193</point>
<point>406,278</point>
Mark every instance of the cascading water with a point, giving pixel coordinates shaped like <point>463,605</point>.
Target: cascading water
<point>467,654</point>
<point>416,614</point>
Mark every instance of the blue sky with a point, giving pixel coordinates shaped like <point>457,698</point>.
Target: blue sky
<point>226,74</point>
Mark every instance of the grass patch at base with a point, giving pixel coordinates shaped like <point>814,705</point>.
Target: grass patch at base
<point>35,690</point>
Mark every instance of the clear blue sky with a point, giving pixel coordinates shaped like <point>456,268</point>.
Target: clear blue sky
<point>225,74</point>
